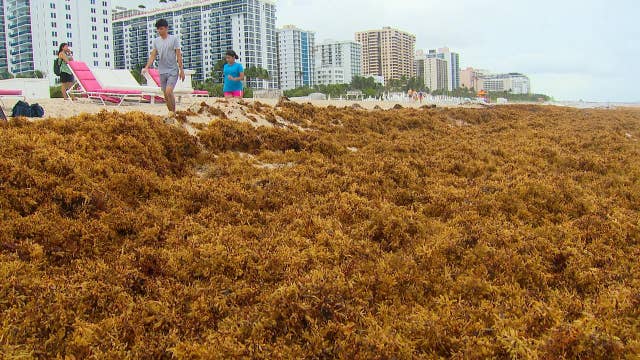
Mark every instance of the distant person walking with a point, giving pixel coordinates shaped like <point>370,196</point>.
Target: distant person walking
<point>233,76</point>
<point>170,66</point>
<point>65,55</point>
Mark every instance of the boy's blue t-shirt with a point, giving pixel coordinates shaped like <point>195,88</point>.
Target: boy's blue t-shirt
<point>233,70</point>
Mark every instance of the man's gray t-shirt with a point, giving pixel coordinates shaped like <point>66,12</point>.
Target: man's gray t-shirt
<point>167,59</point>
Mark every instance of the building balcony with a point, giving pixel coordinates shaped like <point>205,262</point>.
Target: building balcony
<point>24,32</point>
<point>23,23</point>
<point>24,51</point>
<point>18,43</point>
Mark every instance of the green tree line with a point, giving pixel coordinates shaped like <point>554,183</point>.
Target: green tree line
<point>370,88</point>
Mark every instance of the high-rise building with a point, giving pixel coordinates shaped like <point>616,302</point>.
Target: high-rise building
<point>514,83</point>
<point>435,73</point>
<point>296,57</point>
<point>4,64</point>
<point>207,29</point>
<point>34,30</point>
<point>387,52</point>
<point>469,78</point>
<point>453,65</point>
<point>337,62</point>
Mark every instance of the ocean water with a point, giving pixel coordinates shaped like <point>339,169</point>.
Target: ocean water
<point>594,105</point>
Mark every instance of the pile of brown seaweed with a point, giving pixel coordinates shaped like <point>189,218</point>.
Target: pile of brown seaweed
<point>508,232</point>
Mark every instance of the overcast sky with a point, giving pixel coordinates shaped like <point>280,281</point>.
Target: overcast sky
<point>571,49</point>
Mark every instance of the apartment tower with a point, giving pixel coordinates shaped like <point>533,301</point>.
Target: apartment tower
<point>514,83</point>
<point>34,30</point>
<point>337,62</point>
<point>387,52</point>
<point>207,29</point>
<point>453,65</point>
<point>296,57</point>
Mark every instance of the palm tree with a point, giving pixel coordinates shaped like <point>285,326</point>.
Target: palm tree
<point>256,72</point>
<point>218,71</point>
<point>264,74</point>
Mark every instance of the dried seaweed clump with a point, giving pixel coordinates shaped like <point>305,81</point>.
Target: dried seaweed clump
<point>516,236</point>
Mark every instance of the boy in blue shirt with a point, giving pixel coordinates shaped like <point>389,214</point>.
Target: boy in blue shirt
<point>233,76</point>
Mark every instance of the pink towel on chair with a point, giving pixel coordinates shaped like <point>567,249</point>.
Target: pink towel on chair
<point>10,92</point>
<point>155,75</point>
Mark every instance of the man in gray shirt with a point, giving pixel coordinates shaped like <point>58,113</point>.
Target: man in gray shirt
<point>167,49</point>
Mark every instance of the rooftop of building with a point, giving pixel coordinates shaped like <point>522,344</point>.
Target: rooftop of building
<point>386,28</point>
<point>293,27</point>
<point>332,42</point>
<point>120,13</point>
<point>503,76</point>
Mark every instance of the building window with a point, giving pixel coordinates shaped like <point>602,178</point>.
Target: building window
<point>52,5</point>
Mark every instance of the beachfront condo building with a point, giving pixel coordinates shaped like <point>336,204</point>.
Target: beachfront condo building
<point>337,62</point>
<point>4,63</point>
<point>453,65</point>
<point>32,32</point>
<point>296,57</point>
<point>469,77</point>
<point>434,71</point>
<point>387,52</point>
<point>207,29</point>
<point>514,83</point>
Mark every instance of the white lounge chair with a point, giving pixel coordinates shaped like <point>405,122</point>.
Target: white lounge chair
<point>182,87</point>
<point>123,80</point>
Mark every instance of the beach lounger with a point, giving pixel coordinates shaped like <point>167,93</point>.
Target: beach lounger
<point>182,87</point>
<point>88,86</point>
<point>123,80</point>
<point>10,94</point>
